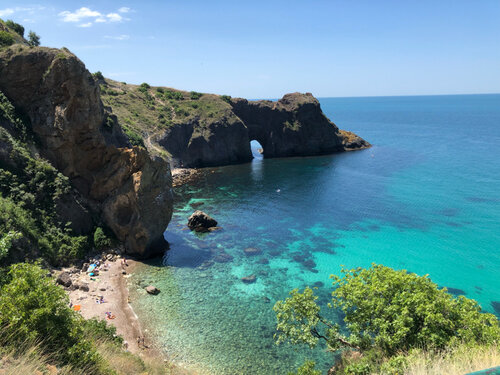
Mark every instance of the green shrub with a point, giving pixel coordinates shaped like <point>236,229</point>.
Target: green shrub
<point>33,39</point>
<point>195,95</point>
<point>6,39</point>
<point>175,95</point>
<point>98,76</point>
<point>385,312</point>
<point>15,27</point>
<point>101,241</point>
<point>144,87</point>
<point>308,368</point>
<point>226,98</point>
<point>33,309</point>
<point>160,90</point>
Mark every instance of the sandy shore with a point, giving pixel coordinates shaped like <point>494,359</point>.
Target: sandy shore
<point>111,285</point>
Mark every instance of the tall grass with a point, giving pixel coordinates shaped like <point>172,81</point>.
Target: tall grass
<point>461,360</point>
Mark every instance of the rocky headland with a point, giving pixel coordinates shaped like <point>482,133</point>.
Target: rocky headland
<point>114,182</point>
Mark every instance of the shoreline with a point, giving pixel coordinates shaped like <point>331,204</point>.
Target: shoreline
<point>111,283</point>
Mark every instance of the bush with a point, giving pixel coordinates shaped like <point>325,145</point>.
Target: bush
<point>33,39</point>
<point>101,241</point>
<point>144,87</point>
<point>175,95</point>
<point>160,90</point>
<point>15,27</point>
<point>98,76</point>
<point>226,98</point>
<point>34,309</point>
<point>6,39</point>
<point>195,95</point>
<point>386,312</point>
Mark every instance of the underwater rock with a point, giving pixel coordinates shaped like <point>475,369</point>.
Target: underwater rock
<point>223,257</point>
<point>263,261</point>
<point>455,291</point>
<point>318,284</point>
<point>252,251</point>
<point>249,279</point>
<point>496,307</point>
<point>201,222</point>
<point>152,290</point>
<point>196,204</point>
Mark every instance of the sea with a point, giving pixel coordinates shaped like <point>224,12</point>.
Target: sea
<point>425,198</point>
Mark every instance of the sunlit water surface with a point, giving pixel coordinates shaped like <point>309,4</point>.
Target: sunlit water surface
<point>425,197</point>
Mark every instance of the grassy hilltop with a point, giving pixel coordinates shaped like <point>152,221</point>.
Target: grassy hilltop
<point>144,111</point>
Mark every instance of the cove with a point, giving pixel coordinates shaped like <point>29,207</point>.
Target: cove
<point>424,198</point>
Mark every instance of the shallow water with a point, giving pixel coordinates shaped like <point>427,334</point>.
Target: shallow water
<point>425,197</point>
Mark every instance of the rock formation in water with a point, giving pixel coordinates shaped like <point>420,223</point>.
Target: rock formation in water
<point>291,126</point>
<point>128,189</point>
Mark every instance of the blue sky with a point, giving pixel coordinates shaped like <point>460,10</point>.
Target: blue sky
<point>264,49</point>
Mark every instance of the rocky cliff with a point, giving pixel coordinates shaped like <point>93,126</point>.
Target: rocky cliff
<point>128,189</point>
<point>202,130</point>
<point>291,126</point>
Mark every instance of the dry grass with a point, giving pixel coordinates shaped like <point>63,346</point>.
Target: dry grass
<point>126,363</point>
<point>462,360</point>
<point>30,361</point>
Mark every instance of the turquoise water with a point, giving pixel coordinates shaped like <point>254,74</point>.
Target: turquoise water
<point>425,197</point>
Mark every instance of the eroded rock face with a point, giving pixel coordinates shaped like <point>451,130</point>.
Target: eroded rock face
<point>292,126</point>
<point>131,191</point>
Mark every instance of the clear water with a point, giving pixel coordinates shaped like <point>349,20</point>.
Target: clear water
<point>425,197</point>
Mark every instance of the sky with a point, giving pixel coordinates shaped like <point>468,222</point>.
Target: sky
<point>264,49</point>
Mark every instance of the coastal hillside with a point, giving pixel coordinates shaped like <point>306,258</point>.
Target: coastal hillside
<point>64,122</point>
<point>193,129</point>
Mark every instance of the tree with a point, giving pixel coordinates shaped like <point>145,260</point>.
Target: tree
<point>15,27</point>
<point>33,39</point>
<point>385,311</point>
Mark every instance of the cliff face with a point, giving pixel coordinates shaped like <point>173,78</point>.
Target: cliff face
<point>292,126</point>
<point>131,191</point>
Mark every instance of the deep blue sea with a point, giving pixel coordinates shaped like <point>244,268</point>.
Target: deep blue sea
<point>425,197</point>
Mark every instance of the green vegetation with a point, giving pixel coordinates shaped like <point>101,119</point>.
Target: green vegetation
<point>144,113</point>
<point>98,76</point>
<point>226,98</point>
<point>33,39</point>
<point>387,312</point>
<point>40,330</point>
<point>101,240</point>
<point>195,95</point>
<point>6,39</point>
<point>30,191</point>
<point>15,27</point>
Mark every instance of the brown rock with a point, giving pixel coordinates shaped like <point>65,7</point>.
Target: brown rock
<point>152,290</point>
<point>200,221</point>
<point>131,191</point>
<point>64,279</point>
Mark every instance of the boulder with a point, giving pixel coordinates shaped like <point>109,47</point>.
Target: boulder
<point>64,279</point>
<point>249,279</point>
<point>252,251</point>
<point>152,290</point>
<point>84,287</point>
<point>200,221</point>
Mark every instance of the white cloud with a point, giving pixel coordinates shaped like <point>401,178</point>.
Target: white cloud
<point>118,37</point>
<point>114,17</point>
<point>79,14</point>
<point>89,15</point>
<point>6,12</point>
